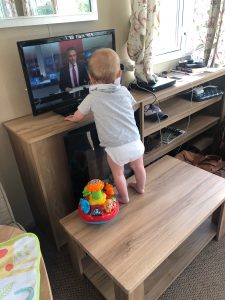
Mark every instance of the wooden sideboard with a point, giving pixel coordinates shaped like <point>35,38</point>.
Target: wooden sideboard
<point>38,144</point>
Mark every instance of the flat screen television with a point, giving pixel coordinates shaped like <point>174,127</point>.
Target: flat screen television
<point>43,61</point>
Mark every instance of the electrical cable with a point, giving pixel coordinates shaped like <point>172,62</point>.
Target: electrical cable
<point>155,100</point>
<point>189,119</point>
<point>191,100</point>
<point>159,121</point>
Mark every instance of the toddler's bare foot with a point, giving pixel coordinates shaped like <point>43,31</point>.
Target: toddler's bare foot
<point>134,186</point>
<point>121,200</point>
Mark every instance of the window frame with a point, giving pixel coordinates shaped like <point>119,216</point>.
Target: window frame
<point>51,19</point>
<point>183,29</point>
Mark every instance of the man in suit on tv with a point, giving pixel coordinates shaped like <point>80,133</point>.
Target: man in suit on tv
<point>74,73</point>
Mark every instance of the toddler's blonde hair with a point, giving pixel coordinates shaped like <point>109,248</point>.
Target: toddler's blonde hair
<point>104,65</point>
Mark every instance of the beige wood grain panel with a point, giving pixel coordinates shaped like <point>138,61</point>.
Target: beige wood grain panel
<point>221,223</point>
<point>165,274</point>
<point>137,294</point>
<point>77,255</point>
<point>27,167</point>
<point>170,269</point>
<point>159,220</point>
<point>44,169</point>
<point>32,129</point>
<point>8,232</point>
<point>52,167</point>
<point>99,278</point>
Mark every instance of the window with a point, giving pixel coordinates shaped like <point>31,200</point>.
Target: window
<point>78,6</point>
<point>38,12</point>
<point>51,7</point>
<point>40,7</point>
<point>175,23</point>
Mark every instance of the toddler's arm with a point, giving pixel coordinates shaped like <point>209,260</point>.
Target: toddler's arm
<point>76,117</point>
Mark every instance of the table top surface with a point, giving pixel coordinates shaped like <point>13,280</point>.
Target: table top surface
<point>8,232</point>
<point>177,200</point>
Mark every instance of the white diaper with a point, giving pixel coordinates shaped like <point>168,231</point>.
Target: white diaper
<point>124,154</point>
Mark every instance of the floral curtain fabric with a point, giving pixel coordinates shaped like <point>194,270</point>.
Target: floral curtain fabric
<point>144,29</point>
<point>8,9</point>
<point>27,8</point>
<point>209,38</point>
<point>215,40</point>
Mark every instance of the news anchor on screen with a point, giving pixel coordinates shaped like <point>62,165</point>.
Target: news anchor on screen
<point>74,73</point>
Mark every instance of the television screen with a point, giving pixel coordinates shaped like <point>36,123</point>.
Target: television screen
<point>55,68</point>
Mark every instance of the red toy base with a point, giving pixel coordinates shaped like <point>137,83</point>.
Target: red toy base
<point>105,217</point>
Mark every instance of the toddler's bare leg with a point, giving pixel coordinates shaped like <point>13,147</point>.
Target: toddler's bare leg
<point>140,175</point>
<point>119,180</point>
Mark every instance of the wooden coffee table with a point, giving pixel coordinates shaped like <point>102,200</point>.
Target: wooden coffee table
<point>155,237</point>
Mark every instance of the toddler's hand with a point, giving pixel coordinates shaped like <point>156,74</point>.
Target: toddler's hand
<point>70,118</point>
<point>76,117</point>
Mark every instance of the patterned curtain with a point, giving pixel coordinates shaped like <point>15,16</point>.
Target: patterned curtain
<point>27,8</point>
<point>215,40</point>
<point>210,28</point>
<point>144,30</point>
<point>8,9</point>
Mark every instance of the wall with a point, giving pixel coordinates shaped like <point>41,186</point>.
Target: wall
<point>14,100</point>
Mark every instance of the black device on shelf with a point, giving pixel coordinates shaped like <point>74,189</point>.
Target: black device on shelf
<point>169,134</point>
<point>206,93</point>
<point>160,84</point>
<point>42,60</point>
<point>190,63</point>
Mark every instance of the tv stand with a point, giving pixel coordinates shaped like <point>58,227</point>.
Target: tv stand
<point>38,144</point>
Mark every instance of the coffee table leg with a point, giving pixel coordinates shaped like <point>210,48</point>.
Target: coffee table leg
<point>137,294</point>
<point>221,222</point>
<point>76,254</point>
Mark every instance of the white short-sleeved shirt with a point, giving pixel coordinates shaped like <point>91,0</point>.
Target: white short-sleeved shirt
<point>112,107</point>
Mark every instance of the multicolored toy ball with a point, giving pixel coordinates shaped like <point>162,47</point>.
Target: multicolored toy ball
<point>98,204</point>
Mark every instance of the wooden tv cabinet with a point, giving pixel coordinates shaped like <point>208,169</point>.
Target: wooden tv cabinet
<point>38,144</point>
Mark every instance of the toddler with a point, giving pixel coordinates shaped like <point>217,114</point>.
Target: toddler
<point>112,107</point>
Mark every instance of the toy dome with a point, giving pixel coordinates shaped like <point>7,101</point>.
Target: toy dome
<point>98,204</point>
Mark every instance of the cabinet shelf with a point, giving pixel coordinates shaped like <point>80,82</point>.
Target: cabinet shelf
<point>187,82</point>
<point>204,142</point>
<point>198,124</point>
<point>176,109</point>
